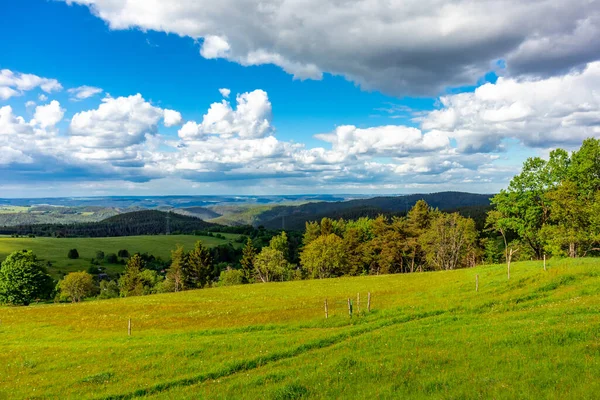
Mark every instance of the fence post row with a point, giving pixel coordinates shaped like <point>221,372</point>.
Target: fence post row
<point>129,327</point>
<point>326,310</point>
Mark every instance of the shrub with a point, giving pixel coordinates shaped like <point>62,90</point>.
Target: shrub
<point>108,290</point>
<point>73,254</point>
<point>123,253</point>
<point>99,255</point>
<point>111,258</point>
<point>231,277</point>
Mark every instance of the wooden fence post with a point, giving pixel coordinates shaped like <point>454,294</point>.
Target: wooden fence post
<point>326,310</point>
<point>358,304</point>
<point>129,327</point>
<point>477,283</point>
<point>350,307</point>
<point>544,262</point>
<point>369,302</point>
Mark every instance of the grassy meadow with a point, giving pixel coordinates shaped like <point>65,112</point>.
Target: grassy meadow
<point>429,335</point>
<point>56,249</point>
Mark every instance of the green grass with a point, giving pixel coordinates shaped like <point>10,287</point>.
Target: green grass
<point>55,250</point>
<point>13,209</point>
<point>429,335</point>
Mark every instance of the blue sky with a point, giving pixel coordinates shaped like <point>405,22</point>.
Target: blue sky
<point>322,99</point>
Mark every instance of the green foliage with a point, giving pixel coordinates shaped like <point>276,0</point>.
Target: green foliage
<point>199,266</point>
<point>450,242</point>
<point>270,265</point>
<point>176,274</point>
<point>131,283</point>
<point>109,290</point>
<point>73,254</point>
<point>325,257</point>
<point>247,261</point>
<point>24,279</point>
<point>99,255</point>
<point>231,277</point>
<point>123,253</point>
<point>111,258</point>
<point>76,286</point>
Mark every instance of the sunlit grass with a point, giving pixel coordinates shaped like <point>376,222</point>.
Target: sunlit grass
<point>56,250</point>
<point>429,335</point>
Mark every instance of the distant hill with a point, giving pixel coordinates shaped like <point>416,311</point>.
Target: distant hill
<point>294,217</point>
<point>146,222</point>
<point>198,212</point>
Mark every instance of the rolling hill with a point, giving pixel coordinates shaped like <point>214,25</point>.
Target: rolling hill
<point>428,335</point>
<point>146,222</point>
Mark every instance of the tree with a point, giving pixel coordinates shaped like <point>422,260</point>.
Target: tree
<point>112,258</point>
<point>247,261</point>
<point>131,283</point>
<point>199,266</point>
<point>324,257</point>
<point>24,279</point>
<point>280,243</point>
<point>99,255</point>
<point>326,226</point>
<point>77,285</point>
<point>176,274</point>
<point>312,231</point>
<point>123,253</point>
<point>73,254</point>
<point>270,265</point>
<point>108,290</point>
<point>418,221</point>
<point>448,241</point>
<point>150,281</point>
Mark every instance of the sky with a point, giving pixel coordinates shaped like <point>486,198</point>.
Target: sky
<point>147,97</point>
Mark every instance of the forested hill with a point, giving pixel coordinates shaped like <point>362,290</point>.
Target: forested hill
<point>294,217</point>
<point>147,222</point>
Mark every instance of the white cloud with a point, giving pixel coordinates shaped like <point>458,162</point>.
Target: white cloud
<point>42,97</point>
<point>398,47</point>
<point>172,118</point>
<point>15,83</point>
<point>225,92</point>
<point>557,111</point>
<point>117,122</point>
<point>250,119</point>
<point>49,115</point>
<point>84,92</point>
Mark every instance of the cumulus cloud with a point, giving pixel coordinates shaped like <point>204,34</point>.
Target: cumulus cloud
<point>556,111</point>
<point>172,118</point>
<point>225,92</point>
<point>49,115</point>
<point>397,47</point>
<point>84,92</point>
<point>16,83</point>
<point>250,119</point>
<point>117,122</point>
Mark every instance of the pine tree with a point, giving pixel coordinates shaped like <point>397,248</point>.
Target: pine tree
<point>131,283</point>
<point>247,261</point>
<point>199,266</point>
<point>176,275</point>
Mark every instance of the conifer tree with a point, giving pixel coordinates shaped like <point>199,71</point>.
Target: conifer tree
<point>131,283</point>
<point>199,266</point>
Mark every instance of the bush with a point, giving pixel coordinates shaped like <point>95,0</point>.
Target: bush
<point>108,290</point>
<point>73,254</point>
<point>123,253</point>
<point>99,255</point>
<point>111,258</point>
<point>231,277</point>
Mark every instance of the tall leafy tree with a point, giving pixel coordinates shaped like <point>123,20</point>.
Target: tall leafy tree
<point>270,265</point>
<point>325,257</point>
<point>76,286</point>
<point>24,279</point>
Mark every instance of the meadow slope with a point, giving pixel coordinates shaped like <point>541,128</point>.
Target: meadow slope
<point>429,335</point>
<point>55,250</point>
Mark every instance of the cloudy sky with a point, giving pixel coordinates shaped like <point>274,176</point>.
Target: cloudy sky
<point>140,97</point>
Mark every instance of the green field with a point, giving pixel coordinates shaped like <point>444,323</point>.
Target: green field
<point>55,250</point>
<point>429,335</point>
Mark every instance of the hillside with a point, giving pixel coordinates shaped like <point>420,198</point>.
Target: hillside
<point>294,217</point>
<point>146,222</point>
<point>54,250</point>
<point>429,335</point>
